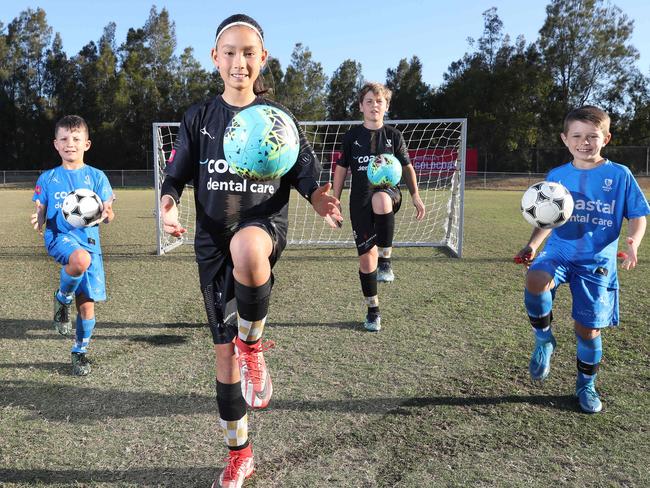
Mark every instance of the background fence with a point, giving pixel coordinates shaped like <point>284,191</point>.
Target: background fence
<point>128,178</point>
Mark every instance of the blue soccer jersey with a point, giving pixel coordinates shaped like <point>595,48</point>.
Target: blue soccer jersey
<point>51,189</point>
<point>603,197</point>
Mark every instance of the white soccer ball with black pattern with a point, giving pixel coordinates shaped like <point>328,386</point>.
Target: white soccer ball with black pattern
<point>81,207</point>
<point>547,205</point>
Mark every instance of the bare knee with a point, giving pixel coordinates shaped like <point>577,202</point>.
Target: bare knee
<point>78,262</point>
<point>381,203</point>
<point>250,249</point>
<point>538,282</point>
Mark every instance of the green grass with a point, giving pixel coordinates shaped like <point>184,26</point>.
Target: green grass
<point>440,397</point>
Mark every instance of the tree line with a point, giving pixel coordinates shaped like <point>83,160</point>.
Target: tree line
<point>514,93</point>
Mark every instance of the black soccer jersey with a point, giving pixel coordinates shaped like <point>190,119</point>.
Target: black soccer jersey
<point>360,146</point>
<point>223,199</point>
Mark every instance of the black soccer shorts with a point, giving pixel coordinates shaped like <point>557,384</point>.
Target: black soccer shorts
<point>362,219</point>
<point>218,283</point>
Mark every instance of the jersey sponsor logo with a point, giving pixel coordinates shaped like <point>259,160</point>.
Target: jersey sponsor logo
<point>597,205</point>
<point>244,186</point>
<point>220,166</point>
<point>364,161</point>
<point>607,184</point>
<point>205,132</point>
<point>59,196</point>
<point>217,166</point>
<point>600,217</point>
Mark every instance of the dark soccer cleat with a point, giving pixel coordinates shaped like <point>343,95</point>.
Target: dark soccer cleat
<point>80,364</point>
<point>62,323</point>
<point>373,322</point>
<point>256,386</point>
<point>385,273</point>
<point>540,361</point>
<point>240,466</point>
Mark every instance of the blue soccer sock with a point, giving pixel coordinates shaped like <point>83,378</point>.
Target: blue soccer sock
<point>83,333</point>
<point>539,311</point>
<point>68,285</point>
<point>589,353</point>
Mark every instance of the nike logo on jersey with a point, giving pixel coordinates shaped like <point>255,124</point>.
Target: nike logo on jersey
<point>206,133</point>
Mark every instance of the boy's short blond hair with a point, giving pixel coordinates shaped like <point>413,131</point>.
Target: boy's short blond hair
<point>72,122</point>
<point>377,88</point>
<point>588,113</point>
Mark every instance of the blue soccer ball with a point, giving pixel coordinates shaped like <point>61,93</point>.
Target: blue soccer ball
<point>261,143</point>
<point>384,170</point>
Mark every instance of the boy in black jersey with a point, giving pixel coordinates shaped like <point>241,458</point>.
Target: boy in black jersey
<point>372,211</point>
<point>240,233</point>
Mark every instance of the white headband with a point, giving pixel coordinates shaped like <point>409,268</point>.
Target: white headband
<point>246,24</point>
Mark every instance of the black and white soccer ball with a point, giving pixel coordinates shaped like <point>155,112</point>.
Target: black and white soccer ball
<point>81,207</point>
<point>547,205</point>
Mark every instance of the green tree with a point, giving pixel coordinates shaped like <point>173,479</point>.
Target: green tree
<point>585,47</point>
<point>304,86</point>
<point>7,108</point>
<point>499,88</point>
<point>410,94</point>
<point>60,78</point>
<point>25,61</point>
<point>192,82</point>
<point>274,79</point>
<point>342,91</point>
<point>148,69</point>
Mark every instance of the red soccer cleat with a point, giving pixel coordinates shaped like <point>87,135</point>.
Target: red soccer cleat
<point>256,386</point>
<point>240,466</point>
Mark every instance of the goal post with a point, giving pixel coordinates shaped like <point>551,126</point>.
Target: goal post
<point>437,148</point>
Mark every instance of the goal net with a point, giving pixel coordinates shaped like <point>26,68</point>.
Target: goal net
<point>437,151</point>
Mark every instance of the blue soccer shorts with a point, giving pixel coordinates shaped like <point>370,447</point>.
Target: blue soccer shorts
<point>595,301</point>
<point>93,283</point>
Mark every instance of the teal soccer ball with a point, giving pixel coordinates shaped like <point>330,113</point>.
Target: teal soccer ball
<point>261,143</point>
<point>384,170</point>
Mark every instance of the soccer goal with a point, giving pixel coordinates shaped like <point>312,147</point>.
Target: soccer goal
<point>437,151</point>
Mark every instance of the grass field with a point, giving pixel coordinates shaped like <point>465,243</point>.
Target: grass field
<point>440,397</point>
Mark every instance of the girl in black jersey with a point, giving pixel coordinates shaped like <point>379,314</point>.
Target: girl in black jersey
<point>241,229</point>
<point>372,211</point>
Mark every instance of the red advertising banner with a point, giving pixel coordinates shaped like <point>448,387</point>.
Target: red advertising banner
<point>428,161</point>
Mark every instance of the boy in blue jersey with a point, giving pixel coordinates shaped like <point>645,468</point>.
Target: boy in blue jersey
<point>583,251</point>
<point>76,249</point>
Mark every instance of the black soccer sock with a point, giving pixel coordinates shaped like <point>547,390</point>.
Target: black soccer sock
<point>369,290</point>
<point>252,308</point>
<point>385,229</point>
<point>232,415</point>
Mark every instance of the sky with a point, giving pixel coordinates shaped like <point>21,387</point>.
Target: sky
<point>377,34</point>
